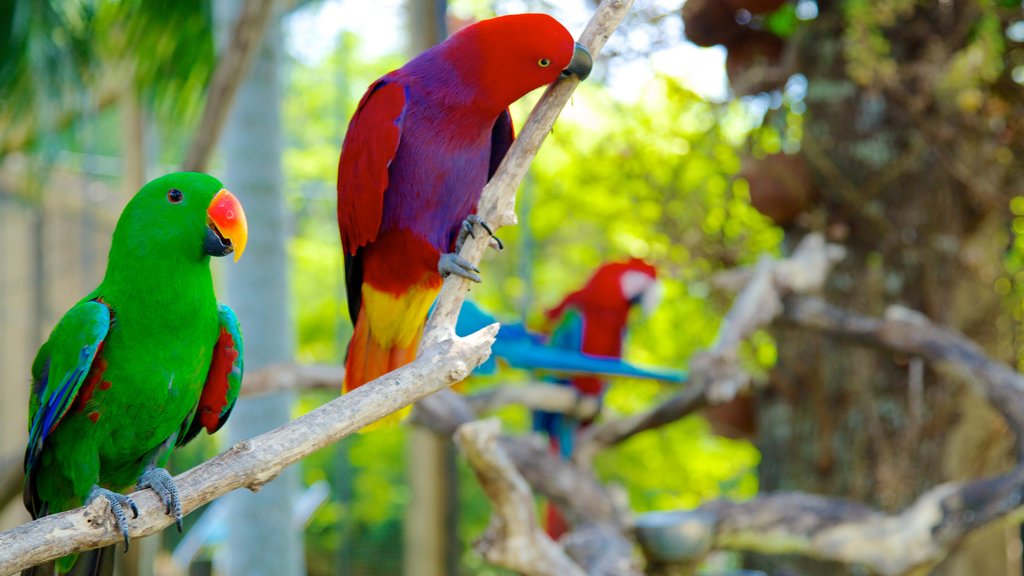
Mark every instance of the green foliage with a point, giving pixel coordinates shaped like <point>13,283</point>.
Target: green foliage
<point>59,58</point>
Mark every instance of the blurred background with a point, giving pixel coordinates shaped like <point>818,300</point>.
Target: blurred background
<point>712,132</point>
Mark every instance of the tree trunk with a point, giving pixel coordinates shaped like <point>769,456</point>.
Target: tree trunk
<point>261,537</point>
<point>854,422</point>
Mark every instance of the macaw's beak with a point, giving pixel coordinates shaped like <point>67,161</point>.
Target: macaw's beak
<point>226,231</point>
<point>581,64</point>
<point>650,298</point>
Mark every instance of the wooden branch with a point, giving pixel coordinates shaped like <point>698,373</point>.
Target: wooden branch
<point>536,396</point>
<point>905,543</point>
<point>514,539</point>
<point>497,201</point>
<point>232,66</point>
<point>280,377</point>
<point>251,463</point>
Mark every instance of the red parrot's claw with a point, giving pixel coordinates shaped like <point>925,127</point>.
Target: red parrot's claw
<point>466,231</point>
<point>451,263</point>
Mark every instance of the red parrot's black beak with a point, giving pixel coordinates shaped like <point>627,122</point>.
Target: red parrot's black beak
<point>581,64</point>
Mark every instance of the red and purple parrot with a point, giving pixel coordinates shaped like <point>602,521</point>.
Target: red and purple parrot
<point>593,320</point>
<point>419,149</point>
<point>139,366</point>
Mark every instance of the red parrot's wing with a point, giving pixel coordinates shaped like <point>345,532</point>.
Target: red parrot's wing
<point>369,147</point>
<point>502,136</point>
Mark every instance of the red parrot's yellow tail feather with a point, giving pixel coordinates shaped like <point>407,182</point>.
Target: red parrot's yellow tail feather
<point>387,335</point>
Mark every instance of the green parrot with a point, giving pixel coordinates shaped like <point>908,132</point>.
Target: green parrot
<point>142,364</point>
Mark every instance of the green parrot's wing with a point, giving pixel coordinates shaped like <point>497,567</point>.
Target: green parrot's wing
<point>61,367</point>
<point>223,381</point>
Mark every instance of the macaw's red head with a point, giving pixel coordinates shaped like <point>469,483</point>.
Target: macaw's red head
<point>617,286</point>
<point>509,56</point>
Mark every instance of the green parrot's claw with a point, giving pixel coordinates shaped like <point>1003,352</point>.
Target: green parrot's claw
<point>452,263</point>
<point>162,483</point>
<point>117,503</point>
<point>466,231</point>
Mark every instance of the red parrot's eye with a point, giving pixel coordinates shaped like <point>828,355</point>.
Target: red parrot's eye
<point>544,62</point>
<point>174,196</point>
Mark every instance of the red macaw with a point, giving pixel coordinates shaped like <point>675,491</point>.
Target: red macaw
<point>593,320</point>
<point>421,145</point>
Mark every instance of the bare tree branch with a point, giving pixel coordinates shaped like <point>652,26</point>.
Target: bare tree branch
<point>279,377</point>
<point>908,542</point>
<point>513,539</point>
<point>536,396</point>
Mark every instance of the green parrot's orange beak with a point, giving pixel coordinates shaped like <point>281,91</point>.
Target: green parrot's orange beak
<point>226,220</point>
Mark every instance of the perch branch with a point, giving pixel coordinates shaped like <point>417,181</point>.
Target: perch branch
<point>536,396</point>
<point>908,542</point>
<point>232,66</point>
<point>513,539</point>
<point>280,377</point>
<point>254,462</point>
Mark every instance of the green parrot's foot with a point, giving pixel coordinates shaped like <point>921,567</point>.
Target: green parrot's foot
<point>117,502</point>
<point>466,231</point>
<point>452,263</point>
<point>162,483</point>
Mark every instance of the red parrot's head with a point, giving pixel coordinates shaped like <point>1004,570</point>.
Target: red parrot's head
<point>617,286</point>
<point>512,55</point>
<point>635,281</point>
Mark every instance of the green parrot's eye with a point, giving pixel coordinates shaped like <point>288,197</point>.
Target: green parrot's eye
<point>543,62</point>
<point>174,196</point>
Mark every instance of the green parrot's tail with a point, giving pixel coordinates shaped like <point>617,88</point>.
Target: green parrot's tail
<point>98,562</point>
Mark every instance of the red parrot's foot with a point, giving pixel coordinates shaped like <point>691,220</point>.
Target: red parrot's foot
<point>467,232</point>
<point>117,504</point>
<point>452,263</point>
<point>162,483</point>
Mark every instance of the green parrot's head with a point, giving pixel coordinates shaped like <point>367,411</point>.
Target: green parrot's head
<point>184,214</point>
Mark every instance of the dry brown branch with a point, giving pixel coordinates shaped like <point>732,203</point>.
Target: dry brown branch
<point>536,396</point>
<point>513,539</point>
<point>232,66</point>
<point>251,463</point>
<point>909,542</point>
<point>279,377</point>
